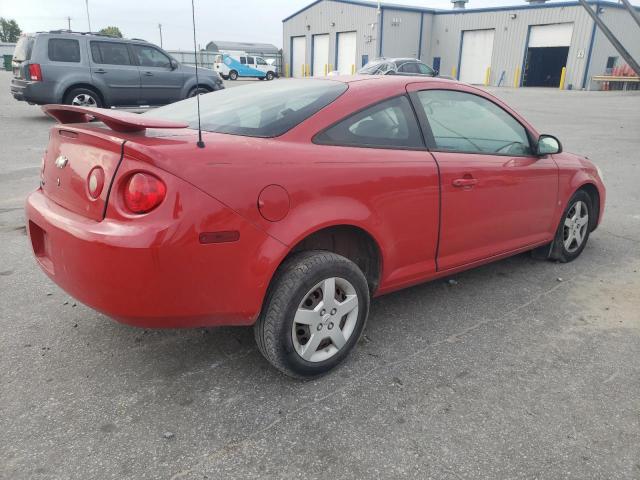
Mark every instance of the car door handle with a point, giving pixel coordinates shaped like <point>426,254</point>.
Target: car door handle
<point>464,182</point>
<point>148,74</point>
<point>100,70</point>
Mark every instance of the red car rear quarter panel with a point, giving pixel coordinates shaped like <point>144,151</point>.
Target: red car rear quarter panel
<point>391,194</point>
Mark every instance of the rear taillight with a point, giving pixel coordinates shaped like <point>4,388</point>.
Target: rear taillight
<point>35,73</point>
<point>95,182</point>
<point>143,192</point>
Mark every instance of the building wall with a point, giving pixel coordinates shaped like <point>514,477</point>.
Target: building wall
<point>401,33</point>
<point>626,31</point>
<point>510,40</point>
<point>346,17</point>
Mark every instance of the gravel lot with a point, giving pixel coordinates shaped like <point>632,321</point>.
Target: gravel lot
<point>522,369</point>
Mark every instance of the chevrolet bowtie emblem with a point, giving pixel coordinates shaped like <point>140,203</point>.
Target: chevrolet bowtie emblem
<point>61,161</point>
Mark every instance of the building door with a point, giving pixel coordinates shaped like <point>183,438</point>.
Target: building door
<point>320,65</point>
<point>475,55</point>
<point>298,56</point>
<point>346,52</point>
<point>547,53</point>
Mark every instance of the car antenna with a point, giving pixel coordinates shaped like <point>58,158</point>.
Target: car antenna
<point>195,57</point>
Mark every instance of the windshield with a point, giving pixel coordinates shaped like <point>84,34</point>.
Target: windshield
<point>258,110</point>
<point>23,49</point>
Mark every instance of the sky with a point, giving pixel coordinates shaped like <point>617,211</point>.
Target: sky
<point>230,20</point>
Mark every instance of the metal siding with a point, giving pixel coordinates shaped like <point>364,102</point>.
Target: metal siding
<point>625,29</point>
<point>347,17</point>
<point>510,38</point>
<point>400,40</point>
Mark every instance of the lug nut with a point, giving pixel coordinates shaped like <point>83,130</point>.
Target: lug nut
<point>330,326</point>
<point>319,327</point>
<point>322,312</point>
<point>333,311</point>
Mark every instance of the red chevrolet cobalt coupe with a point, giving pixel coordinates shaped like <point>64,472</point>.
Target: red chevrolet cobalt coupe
<point>307,198</point>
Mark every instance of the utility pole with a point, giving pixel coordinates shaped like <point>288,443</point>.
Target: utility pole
<point>160,28</point>
<point>69,22</point>
<point>611,37</point>
<point>86,2</point>
<point>632,10</point>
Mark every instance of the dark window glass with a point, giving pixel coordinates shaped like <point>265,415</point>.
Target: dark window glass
<point>150,57</point>
<point>110,53</point>
<point>390,124</point>
<point>260,61</point>
<point>611,62</point>
<point>409,67</point>
<point>243,60</point>
<point>258,110</point>
<point>425,70</point>
<point>462,122</point>
<point>250,60</point>
<point>64,50</point>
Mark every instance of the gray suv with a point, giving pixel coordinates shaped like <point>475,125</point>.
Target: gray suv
<point>100,71</point>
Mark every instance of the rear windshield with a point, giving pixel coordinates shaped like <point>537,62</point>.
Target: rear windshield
<point>22,53</point>
<point>258,110</point>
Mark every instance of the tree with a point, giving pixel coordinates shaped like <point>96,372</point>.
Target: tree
<point>111,31</point>
<point>9,31</point>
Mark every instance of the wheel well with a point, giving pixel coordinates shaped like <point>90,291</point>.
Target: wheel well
<point>350,242</point>
<point>591,190</point>
<point>88,86</point>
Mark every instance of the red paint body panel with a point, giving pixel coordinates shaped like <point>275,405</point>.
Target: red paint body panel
<point>153,270</point>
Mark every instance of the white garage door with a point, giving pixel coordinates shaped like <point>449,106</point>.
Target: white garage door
<point>320,55</point>
<point>346,52</point>
<point>298,55</point>
<point>477,48</point>
<point>557,35</point>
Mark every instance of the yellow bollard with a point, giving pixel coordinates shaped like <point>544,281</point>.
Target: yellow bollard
<point>516,78</point>
<point>325,69</point>
<point>330,68</point>
<point>353,69</point>
<point>308,70</point>
<point>453,72</point>
<point>487,77</point>
<point>304,68</point>
<point>286,70</point>
<point>562,77</point>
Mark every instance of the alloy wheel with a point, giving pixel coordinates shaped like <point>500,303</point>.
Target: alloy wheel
<point>575,226</point>
<point>84,100</point>
<point>325,319</point>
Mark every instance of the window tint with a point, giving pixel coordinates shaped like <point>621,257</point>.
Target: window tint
<point>243,60</point>
<point>64,50</point>
<point>390,124</point>
<point>260,61</point>
<point>264,110</point>
<point>424,69</point>
<point>110,53</point>
<point>250,60</point>
<point>409,67</point>
<point>150,57</point>
<point>462,122</point>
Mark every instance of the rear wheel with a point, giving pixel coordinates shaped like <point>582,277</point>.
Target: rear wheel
<point>573,231</point>
<point>313,315</point>
<point>83,97</point>
<point>233,75</point>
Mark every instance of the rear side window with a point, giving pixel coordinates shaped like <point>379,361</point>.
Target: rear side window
<point>110,53</point>
<point>64,50</point>
<point>243,60</point>
<point>22,53</point>
<point>409,67</point>
<point>389,124</point>
<point>257,110</point>
<point>250,60</point>
<point>425,70</point>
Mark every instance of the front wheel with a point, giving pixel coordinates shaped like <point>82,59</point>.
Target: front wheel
<point>197,91</point>
<point>270,76</point>
<point>314,314</point>
<point>573,231</point>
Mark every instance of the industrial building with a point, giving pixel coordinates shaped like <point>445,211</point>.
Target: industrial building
<point>523,45</point>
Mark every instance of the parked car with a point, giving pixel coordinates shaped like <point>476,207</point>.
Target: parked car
<point>249,66</point>
<point>100,71</point>
<point>307,198</point>
<point>397,66</point>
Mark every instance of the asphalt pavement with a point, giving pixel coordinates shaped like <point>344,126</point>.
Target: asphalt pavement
<point>523,369</point>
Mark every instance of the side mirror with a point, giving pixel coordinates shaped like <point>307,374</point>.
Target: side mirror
<point>548,145</point>
<point>174,64</point>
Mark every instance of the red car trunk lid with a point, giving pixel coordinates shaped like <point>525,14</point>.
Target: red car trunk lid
<point>70,158</point>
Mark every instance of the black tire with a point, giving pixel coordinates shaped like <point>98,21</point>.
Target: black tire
<point>261,78</point>
<point>233,75</point>
<point>76,93</point>
<point>270,76</point>
<point>559,251</point>
<point>197,91</point>
<point>291,285</point>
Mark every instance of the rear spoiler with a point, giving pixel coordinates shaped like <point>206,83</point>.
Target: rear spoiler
<point>116,120</point>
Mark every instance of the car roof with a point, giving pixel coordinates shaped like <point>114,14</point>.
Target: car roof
<point>390,79</point>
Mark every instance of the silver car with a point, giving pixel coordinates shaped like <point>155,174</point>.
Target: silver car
<point>397,66</point>
<point>101,71</point>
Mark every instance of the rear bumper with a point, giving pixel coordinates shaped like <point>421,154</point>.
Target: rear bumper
<point>155,273</point>
<point>39,93</point>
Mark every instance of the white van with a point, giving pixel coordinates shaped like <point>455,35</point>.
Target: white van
<point>251,66</point>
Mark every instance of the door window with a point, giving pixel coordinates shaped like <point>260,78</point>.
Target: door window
<point>425,70</point>
<point>389,124</point>
<point>64,50</point>
<point>409,67</point>
<point>250,60</point>
<point>110,53</point>
<point>243,60</point>
<point>463,122</point>
<point>260,61</point>
<point>150,57</point>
